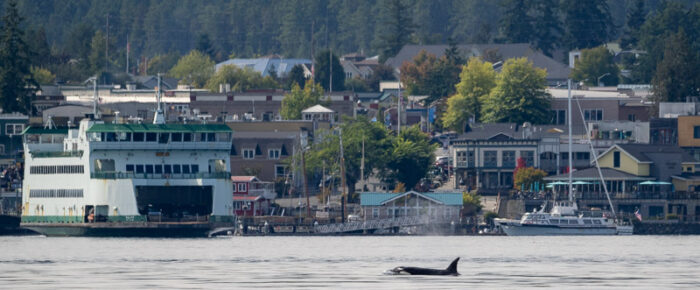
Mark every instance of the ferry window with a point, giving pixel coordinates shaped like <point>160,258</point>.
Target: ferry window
<point>195,168</point>
<point>33,139</point>
<point>202,137</point>
<point>151,137</point>
<point>223,137</point>
<point>138,137</point>
<point>177,137</point>
<point>149,168</point>
<point>187,137</point>
<point>104,165</point>
<point>185,168</point>
<point>597,222</point>
<point>129,168</point>
<point>159,169</point>
<point>167,169</point>
<point>211,137</point>
<point>111,137</point>
<point>163,138</point>
<point>176,168</point>
<point>554,221</point>
<point>139,168</point>
<point>587,222</point>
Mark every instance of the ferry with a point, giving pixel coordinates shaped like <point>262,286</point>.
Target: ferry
<point>127,179</point>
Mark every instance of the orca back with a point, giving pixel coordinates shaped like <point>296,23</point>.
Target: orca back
<point>452,268</point>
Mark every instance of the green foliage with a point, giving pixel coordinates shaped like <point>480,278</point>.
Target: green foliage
<point>204,45</point>
<point>519,95</point>
<point>193,69</point>
<point>428,75</point>
<point>16,82</point>
<point>296,76</point>
<point>42,76</point>
<point>162,63</point>
<point>357,84</point>
<point>525,177</point>
<point>322,71</point>
<point>394,28</point>
<point>38,45</point>
<point>588,23</point>
<point>477,80</point>
<point>635,20</point>
<point>516,24</point>
<point>676,75</point>
<point>594,63</point>
<point>547,28</point>
<point>97,55</point>
<point>471,203</point>
<point>380,73</point>
<point>240,79</point>
<point>411,156</point>
<point>299,99</point>
<point>489,216</point>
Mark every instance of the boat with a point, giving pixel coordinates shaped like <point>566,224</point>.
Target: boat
<point>564,218</point>
<point>127,179</point>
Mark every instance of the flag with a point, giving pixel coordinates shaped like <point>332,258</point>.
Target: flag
<point>638,215</point>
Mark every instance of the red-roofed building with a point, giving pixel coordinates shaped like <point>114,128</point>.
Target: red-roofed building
<point>252,197</point>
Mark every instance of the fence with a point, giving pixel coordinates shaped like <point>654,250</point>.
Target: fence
<point>376,224</point>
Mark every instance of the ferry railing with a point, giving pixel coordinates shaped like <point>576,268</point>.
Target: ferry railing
<point>131,175</point>
<point>55,154</point>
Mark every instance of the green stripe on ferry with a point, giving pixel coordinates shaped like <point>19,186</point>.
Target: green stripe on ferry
<point>159,128</point>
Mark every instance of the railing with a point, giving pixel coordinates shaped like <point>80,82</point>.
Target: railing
<point>375,224</point>
<point>130,175</point>
<point>55,154</point>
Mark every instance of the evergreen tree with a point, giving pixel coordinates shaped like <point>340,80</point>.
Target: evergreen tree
<point>588,23</point>
<point>97,55</point>
<point>296,76</point>
<point>516,24</point>
<point>394,29</point>
<point>322,71</point>
<point>38,45</point>
<point>204,45</point>
<point>16,82</point>
<point>547,28</point>
<point>676,75</point>
<point>635,20</point>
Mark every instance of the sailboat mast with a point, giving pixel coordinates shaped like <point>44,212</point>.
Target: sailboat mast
<point>342,174</point>
<point>571,162</point>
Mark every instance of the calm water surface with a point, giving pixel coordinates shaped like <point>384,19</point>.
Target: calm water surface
<point>349,262</point>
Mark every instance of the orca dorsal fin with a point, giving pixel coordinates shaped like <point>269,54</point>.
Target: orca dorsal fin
<point>452,268</point>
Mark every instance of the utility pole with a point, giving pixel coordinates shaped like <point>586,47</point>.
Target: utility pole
<point>312,49</point>
<point>362,164</point>
<point>107,45</point>
<point>342,174</point>
<point>571,192</point>
<point>306,189</point>
<point>398,109</point>
<point>127,53</point>
<point>330,75</point>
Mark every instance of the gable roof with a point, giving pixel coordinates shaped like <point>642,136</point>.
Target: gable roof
<point>317,109</point>
<point>591,174</point>
<point>555,69</point>
<point>381,198</point>
<point>639,152</point>
<point>243,178</point>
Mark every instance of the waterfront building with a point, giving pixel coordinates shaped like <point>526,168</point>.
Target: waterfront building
<point>252,197</point>
<point>443,206</point>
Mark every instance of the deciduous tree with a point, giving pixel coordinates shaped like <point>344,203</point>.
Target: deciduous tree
<point>299,99</point>
<point>240,79</point>
<point>596,63</point>
<point>193,69</point>
<point>526,177</point>
<point>477,80</point>
<point>411,156</point>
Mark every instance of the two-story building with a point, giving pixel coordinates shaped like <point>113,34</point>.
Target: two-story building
<point>252,197</point>
<point>11,127</point>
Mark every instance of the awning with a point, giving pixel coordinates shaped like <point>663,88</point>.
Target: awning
<point>654,183</point>
<point>581,183</point>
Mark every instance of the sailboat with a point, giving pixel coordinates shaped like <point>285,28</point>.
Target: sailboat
<point>564,218</point>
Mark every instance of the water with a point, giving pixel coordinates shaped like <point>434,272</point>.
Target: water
<point>349,262</point>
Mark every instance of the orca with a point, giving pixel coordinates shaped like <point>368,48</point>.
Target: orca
<point>451,270</point>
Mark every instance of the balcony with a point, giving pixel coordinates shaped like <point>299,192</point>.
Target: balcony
<point>131,175</point>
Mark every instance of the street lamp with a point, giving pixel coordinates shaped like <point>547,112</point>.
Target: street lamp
<point>600,77</point>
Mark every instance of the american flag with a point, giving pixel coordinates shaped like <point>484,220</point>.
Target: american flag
<point>638,215</point>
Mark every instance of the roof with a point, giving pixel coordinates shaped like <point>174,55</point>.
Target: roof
<point>591,173</point>
<point>486,131</point>
<point>243,178</point>
<point>159,128</point>
<point>247,197</point>
<point>317,109</point>
<point>555,69</point>
<point>381,198</point>
<point>42,130</point>
<point>641,152</point>
<point>263,65</point>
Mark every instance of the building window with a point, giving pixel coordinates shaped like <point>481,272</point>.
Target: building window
<point>281,171</point>
<point>529,157</point>
<point>248,153</point>
<point>14,129</point>
<point>582,155</point>
<point>490,158</point>
<point>509,159</point>
<point>632,117</point>
<point>559,117</point>
<point>593,115</point>
<point>273,153</point>
<point>242,187</point>
<point>616,159</point>
<point>696,132</point>
<point>375,213</point>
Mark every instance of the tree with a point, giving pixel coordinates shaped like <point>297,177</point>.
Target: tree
<point>477,80</point>
<point>596,63</point>
<point>394,29</point>
<point>411,156</point>
<point>204,45</point>
<point>239,79</point>
<point>428,75</point>
<point>38,45</point>
<point>16,82</point>
<point>162,63</point>
<point>547,29</point>
<point>519,95</point>
<point>676,75</point>
<point>296,76</point>
<point>380,73</point>
<point>526,177</point>
<point>322,71</point>
<point>516,24</point>
<point>588,23</point>
<point>78,45</point>
<point>193,69</point>
<point>355,132</point>
<point>42,76</point>
<point>471,202</point>
<point>97,55</point>
<point>635,20</point>
<point>299,99</point>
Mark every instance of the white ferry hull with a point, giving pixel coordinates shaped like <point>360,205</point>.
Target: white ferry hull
<point>541,230</point>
